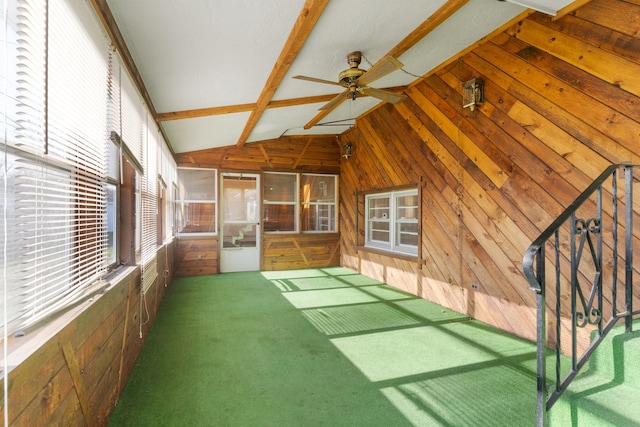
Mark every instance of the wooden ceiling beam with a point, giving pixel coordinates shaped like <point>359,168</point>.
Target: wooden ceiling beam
<point>241,108</point>
<point>305,23</point>
<point>429,24</point>
<point>569,8</point>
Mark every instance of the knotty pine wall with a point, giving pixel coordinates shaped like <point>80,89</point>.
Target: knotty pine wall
<point>561,104</point>
<point>78,373</point>
<point>311,154</point>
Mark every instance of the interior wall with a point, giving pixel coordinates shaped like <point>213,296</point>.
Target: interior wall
<point>73,375</point>
<point>312,154</point>
<point>560,105</point>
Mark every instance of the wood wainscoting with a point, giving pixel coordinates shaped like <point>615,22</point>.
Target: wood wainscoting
<point>73,370</point>
<point>293,251</point>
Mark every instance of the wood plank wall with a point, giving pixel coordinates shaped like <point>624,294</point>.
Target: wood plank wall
<point>78,374</point>
<point>311,154</point>
<point>561,104</point>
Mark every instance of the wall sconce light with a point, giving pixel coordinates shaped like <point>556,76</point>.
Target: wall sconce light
<point>347,150</point>
<point>472,93</point>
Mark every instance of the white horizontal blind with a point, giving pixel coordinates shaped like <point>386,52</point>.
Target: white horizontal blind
<point>150,194</point>
<point>114,112</point>
<point>26,78</point>
<point>60,198</point>
<point>168,174</point>
<point>23,72</point>
<point>150,205</point>
<point>132,116</point>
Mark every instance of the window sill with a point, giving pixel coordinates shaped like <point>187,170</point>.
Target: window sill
<point>21,348</point>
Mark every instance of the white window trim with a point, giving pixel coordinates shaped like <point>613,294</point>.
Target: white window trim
<point>203,201</point>
<point>295,203</point>
<point>390,246</point>
<point>333,203</point>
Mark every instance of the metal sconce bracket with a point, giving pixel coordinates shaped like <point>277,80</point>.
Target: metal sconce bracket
<point>472,93</point>
<point>347,150</point>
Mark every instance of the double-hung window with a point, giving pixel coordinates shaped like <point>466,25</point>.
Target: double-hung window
<point>280,201</point>
<point>319,194</point>
<point>392,221</point>
<point>299,202</point>
<point>196,210</point>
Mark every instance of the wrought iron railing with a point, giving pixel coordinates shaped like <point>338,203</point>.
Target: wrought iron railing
<point>583,277</point>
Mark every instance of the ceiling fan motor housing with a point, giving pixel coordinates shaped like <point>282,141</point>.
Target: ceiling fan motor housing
<point>347,77</point>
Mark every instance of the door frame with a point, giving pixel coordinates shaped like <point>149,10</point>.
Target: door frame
<point>225,266</point>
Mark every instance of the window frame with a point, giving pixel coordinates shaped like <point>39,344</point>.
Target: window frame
<point>332,206</point>
<point>179,202</point>
<point>295,203</point>
<point>394,223</point>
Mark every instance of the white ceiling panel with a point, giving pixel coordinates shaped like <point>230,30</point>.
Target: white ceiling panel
<point>207,54</point>
<point>206,132</point>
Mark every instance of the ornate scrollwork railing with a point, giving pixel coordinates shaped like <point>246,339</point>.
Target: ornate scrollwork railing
<point>578,282</point>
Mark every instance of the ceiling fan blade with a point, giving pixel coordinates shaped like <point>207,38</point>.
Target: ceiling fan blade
<point>380,69</point>
<point>335,101</point>
<point>385,95</point>
<point>313,79</point>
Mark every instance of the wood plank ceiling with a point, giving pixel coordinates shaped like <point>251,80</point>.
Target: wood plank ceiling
<point>220,73</point>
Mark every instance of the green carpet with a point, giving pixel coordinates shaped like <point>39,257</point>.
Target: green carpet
<point>606,391</point>
<point>322,347</point>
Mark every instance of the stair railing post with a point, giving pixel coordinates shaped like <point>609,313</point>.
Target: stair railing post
<point>628,241</point>
<point>541,329</point>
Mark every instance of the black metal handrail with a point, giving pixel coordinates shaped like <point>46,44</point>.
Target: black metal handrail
<point>588,313</point>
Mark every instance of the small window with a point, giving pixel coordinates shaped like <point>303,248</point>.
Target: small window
<point>280,202</point>
<point>319,194</point>
<point>392,221</point>
<point>196,210</point>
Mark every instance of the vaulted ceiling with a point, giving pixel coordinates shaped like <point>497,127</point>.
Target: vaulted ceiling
<point>219,73</point>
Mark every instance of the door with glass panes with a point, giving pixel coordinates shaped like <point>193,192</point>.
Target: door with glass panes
<point>240,226</point>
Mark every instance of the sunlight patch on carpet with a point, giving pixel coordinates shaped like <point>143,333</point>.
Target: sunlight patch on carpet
<point>357,318</point>
<point>292,274</point>
<point>343,296</point>
<point>474,398</point>
<point>426,350</point>
<point>313,283</point>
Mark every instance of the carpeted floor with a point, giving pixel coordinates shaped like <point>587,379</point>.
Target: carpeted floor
<point>322,347</point>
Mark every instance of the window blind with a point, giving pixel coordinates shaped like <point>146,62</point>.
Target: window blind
<point>150,205</point>
<point>59,196</point>
<point>26,78</point>
<point>132,116</point>
<point>168,174</point>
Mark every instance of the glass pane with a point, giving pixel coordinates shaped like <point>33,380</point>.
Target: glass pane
<point>196,217</point>
<point>318,218</point>
<point>279,218</point>
<point>112,231</point>
<point>407,207</point>
<point>239,235</point>
<point>240,199</point>
<point>113,155</point>
<point>280,187</point>
<point>197,184</point>
<point>379,231</point>
<point>379,208</point>
<point>407,234</point>
<point>319,188</point>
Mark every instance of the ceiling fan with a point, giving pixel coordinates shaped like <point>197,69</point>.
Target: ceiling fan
<point>356,80</point>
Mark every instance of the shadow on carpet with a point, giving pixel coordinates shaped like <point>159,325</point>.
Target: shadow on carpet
<point>322,347</point>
